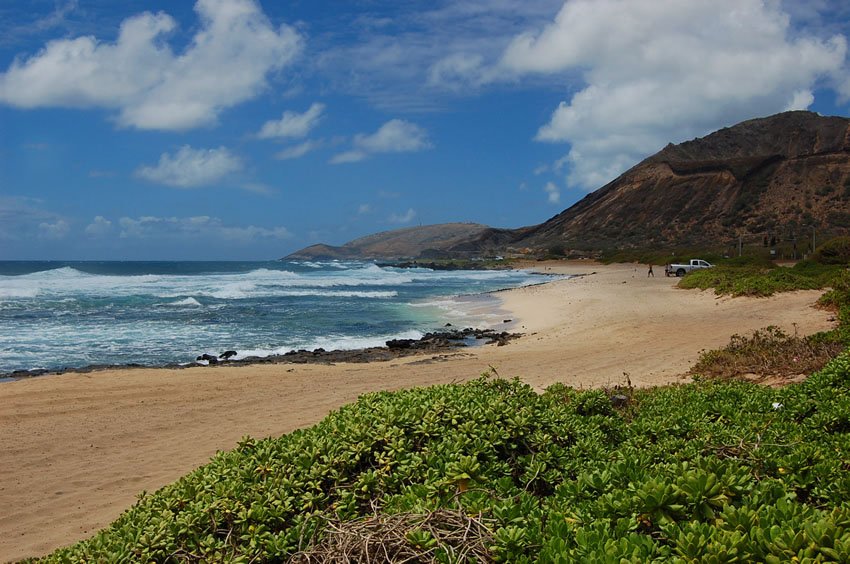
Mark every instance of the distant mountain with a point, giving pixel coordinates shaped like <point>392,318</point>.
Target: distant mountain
<point>428,241</point>
<point>770,178</point>
<point>777,176</point>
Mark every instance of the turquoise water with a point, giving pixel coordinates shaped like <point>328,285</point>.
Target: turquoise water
<point>56,315</point>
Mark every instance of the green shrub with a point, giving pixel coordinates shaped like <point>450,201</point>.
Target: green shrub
<point>761,281</point>
<point>709,471</point>
<point>835,251</point>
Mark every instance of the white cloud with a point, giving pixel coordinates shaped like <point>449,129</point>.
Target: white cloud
<point>406,217</point>
<point>348,157</point>
<point>190,168</point>
<point>657,72</point>
<point>99,227</point>
<point>801,101</point>
<point>150,227</point>
<point>363,209</point>
<point>54,231</point>
<point>293,124</point>
<point>395,136</point>
<point>297,151</point>
<point>553,193</point>
<point>150,86</point>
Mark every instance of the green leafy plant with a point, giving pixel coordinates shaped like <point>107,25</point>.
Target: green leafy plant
<point>712,471</point>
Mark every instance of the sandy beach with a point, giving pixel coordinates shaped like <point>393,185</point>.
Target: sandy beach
<point>76,449</point>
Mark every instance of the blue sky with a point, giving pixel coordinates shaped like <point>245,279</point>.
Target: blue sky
<point>240,129</point>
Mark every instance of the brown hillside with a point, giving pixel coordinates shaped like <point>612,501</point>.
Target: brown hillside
<point>426,241</point>
<point>775,177</point>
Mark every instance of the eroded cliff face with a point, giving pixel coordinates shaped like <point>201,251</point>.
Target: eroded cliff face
<point>776,176</point>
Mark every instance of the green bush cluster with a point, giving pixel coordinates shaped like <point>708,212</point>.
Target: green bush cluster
<point>834,251</point>
<point>708,472</point>
<point>762,280</point>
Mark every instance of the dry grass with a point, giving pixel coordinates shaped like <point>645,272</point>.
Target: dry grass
<point>768,354</point>
<point>404,537</point>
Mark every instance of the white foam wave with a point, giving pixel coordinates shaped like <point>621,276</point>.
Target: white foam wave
<point>329,343</point>
<point>63,272</point>
<point>237,292</point>
<point>346,278</point>
<point>192,302</point>
<point>17,292</point>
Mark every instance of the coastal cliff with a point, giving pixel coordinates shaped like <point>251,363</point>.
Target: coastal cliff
<point>774,177</point>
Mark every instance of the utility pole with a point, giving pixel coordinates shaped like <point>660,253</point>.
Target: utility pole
<point>740,245</point>
<point>813,239</point>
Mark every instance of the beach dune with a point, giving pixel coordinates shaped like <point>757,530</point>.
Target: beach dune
<point>76,449</point>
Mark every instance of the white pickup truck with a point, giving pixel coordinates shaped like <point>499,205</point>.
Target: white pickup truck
<point>682,269</point>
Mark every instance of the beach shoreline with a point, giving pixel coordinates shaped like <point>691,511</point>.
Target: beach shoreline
<point>77,448</point>
<point>477,312</point>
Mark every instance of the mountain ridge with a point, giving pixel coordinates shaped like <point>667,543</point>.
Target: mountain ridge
<point>406,243</point>
<point>760,180</point>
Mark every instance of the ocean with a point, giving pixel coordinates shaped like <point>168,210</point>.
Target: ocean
<point>66,315</point>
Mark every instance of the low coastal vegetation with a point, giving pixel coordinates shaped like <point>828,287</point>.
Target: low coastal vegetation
<point>490,470</point>
<point>763,278</point>
<point>770,353</point>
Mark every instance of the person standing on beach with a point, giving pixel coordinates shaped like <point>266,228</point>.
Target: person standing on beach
<point>650,273</point>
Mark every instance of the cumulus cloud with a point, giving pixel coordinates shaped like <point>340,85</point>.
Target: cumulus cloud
<point>292,124</point>
<point>395,136</point>
<point>191,168</point>
<point>348,157</point>
<point>656,72</point>
<point>54,231</point>
<point>99,227</point>
<point>403,218</point>
<point>149,85</point>
<point>297,151</point>
<point>553,193</point>
<point>206,227</point>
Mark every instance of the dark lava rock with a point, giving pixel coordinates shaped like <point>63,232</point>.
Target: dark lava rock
<point>400,343</point>
<point>227,354</point>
